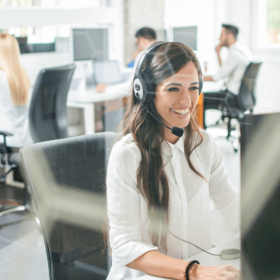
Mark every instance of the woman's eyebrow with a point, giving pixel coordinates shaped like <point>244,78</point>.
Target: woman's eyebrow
<point>173,84</point>
<point>194,83</point>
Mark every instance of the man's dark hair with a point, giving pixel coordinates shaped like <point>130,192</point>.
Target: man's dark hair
<point>231,29</point>
<point>147,33</point>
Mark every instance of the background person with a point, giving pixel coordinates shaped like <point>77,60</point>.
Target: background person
<point>14,90</point>
<point>232,68</point>
<point>141,210</point>
<point>144,38</point>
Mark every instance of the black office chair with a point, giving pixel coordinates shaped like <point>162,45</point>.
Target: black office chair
<point>67,182</point>
<point>48,109</point>
<point>9,157</point>
<point>246,98</point>
<point>47,121</point>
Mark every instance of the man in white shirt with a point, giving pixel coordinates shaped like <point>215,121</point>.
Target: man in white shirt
<point>144,38</point>
<point>232,68</point>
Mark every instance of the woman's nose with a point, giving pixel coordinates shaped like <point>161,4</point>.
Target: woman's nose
<point>185,98</point>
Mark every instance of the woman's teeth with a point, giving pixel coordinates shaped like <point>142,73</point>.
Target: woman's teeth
<point>181,112</point>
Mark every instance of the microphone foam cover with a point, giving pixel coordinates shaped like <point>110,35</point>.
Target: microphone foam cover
<point>177,131</point>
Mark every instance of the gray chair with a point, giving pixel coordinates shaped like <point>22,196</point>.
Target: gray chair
<point>47,121</point>
<point>9,157</point>
<point>67,182</point>
<point>246,98</point>
<point>48,108</point>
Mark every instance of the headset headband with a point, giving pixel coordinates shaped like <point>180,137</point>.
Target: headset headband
<point>143,58</point>
<point>139,84</point>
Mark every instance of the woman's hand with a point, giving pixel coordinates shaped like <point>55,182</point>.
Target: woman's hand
<point>220,272</point>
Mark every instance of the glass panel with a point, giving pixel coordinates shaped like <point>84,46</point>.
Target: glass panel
<point>273,21</point>
<point>41,39</point>
<point>56,3</point>
<point>15,3</point>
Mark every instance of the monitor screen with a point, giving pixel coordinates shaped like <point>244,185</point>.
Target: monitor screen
<point>107,72</point>
<point>186,35</point>
<point>260,197</point>
<point>90,44</point>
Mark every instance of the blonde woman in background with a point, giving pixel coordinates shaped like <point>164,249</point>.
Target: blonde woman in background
<point>14,91</point>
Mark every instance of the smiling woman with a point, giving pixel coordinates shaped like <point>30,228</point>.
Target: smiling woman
<point>158,183</point>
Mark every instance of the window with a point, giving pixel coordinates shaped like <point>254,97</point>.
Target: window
<point>56,3</point>
<point>15,3</point>
<point>269,24</point>
<point>273,21</point>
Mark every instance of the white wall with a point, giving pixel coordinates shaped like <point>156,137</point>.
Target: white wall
<point>202,13</point>
<point>138,14</point>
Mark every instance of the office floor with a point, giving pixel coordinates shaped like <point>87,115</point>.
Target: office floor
<point>22,250</point>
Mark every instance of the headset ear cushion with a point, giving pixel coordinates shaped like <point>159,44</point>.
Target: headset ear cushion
<point>149,88</point>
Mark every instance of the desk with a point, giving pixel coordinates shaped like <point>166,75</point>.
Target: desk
<point>86,100</point>
<point>208,260</point>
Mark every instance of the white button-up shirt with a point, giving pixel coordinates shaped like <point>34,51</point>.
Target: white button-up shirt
<point>234,67</point>
<point>13,119</point>
<point>189,209</point>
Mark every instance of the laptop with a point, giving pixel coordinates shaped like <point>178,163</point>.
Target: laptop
<point>107,72</point>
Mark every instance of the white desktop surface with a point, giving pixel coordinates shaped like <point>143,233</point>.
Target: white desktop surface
<point>212,86</point>
<point>89,95</point>
<point>208,260</point>
<point>86,100</point>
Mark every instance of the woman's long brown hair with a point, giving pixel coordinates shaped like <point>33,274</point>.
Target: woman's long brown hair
<point>167,60</point>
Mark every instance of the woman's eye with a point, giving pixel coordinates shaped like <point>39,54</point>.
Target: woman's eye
<point>194,88</point>
<point>173,89</point>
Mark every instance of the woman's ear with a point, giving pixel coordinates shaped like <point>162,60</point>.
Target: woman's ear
<point>150,88</point>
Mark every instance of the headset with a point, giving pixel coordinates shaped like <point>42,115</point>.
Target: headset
<point>141,88</point>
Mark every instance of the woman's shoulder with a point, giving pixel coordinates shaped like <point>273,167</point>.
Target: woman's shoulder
<point>207,138</point>
<point>126,147</point>
<point>207,141</point>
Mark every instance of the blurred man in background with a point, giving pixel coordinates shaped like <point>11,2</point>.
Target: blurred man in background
<point>144,38</point>
<point>232,68</point>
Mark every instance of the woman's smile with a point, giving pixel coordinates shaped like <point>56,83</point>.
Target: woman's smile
<point>181,112</point>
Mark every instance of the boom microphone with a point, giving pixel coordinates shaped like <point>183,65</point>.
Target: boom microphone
<point>174,130</point>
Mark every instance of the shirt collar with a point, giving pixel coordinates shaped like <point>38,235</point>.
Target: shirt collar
<point>233,46</point>
<point>168,148</point>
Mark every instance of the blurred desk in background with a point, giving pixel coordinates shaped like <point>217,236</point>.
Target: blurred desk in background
<point>86,100</point>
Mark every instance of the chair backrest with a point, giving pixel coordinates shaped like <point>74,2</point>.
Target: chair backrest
<point>247,91</point>
<point>48,109</point>
<point>67,183</point>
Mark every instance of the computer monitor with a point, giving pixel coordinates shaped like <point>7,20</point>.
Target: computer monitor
<point>186,35</point>
<point>260,197</point>
<point>107,72</point>
<point>90,44</point>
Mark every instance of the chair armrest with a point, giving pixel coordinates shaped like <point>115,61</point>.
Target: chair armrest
<point>5,133</point>
<point>3,145</point>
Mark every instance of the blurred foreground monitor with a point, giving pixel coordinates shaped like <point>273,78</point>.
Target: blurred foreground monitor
<point>260,197</point>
